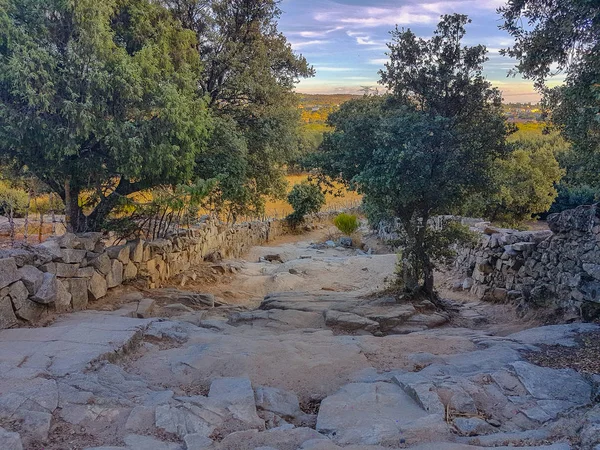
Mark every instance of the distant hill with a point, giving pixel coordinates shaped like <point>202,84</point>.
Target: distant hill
<point>324,100</point>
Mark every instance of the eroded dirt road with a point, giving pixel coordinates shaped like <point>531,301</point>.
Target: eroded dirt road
<point>292,353</point>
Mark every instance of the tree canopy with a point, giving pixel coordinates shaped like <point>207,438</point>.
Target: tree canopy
<point>250,72</point>
<point>102,100</point>
<point>523,184</point>
<point>426,147</point>
<point>99,97</point>
<point>563,37</point>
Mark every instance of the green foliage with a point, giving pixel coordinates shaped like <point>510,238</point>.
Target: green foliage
<point>167,209</point>
<point>439,244</point>
<point>13,201</point>
<point>346,223</point>
<point>570,197</point>
<point>99,97</point>
<point>524,183</point>
<point>554,36</point>
<point>305,198</point>
<point>44,204</point>
<point>250,72</point>
<point>427,147</point>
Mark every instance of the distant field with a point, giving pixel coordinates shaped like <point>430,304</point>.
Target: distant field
<point>282,208</point>
<point>528,130</point>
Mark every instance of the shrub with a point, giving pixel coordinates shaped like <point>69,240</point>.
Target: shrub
<point>13,201</point>
<point>346,223</point>
<point>523,183</point>
<point>305,198</point>
<point>570,197</point>
<point>43,204</point>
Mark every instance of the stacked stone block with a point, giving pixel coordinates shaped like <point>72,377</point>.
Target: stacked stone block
<point>66,273</point>
<point>557,268</point>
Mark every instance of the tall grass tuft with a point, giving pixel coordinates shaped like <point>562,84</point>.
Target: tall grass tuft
<point>346,223</point>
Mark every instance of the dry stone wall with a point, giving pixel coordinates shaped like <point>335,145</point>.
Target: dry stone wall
<point>66,273</point>
<point>556,269</point>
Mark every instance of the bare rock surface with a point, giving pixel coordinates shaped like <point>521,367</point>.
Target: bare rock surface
<point>309,369</point>
<point>368,413</point>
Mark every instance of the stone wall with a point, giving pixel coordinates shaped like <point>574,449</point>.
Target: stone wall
<point>65,273</point>
<point>558,269</point>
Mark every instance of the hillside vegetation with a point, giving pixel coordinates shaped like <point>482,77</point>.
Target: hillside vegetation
<point>189,107</point>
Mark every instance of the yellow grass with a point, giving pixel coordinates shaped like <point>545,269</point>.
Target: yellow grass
<point>281,208</point>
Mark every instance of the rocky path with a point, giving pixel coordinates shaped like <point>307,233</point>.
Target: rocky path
<point>312,362</point>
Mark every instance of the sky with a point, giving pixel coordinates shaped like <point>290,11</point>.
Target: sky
<point>345,40</point>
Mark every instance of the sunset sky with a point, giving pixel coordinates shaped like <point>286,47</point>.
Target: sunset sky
<point>345,40</point>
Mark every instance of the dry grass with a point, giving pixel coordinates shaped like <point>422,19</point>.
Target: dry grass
<point>584,357</point>
<point>281,208</point>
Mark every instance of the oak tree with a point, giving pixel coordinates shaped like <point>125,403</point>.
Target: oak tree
<point>99,99</point>
<point>424,148</point>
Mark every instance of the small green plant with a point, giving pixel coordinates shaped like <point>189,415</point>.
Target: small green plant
<point>13,201</point>
<point>346,223</point>
<point>305,198</point>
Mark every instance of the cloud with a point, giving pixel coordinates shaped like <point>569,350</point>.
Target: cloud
<point>414,13</point>
<point>378,61</point>
<point>299,45</point>
<point>366,40</point>
<point>370,17</point>
<point>493,51</point>
<point>464,6</point>
<point>316,34</point>
<point>333,69</point>
<point>360,79</point>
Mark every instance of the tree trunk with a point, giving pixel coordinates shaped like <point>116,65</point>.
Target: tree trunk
<point>52,214</point>
<point>68,212</point>
<point>74,217</point>
<point>428,281</point>
<point>11,221</point>
<point>410,273</point>
<point>425,262</point>
<point>26,225</point>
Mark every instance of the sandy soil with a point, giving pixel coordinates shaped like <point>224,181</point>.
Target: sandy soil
<point>305,268</point>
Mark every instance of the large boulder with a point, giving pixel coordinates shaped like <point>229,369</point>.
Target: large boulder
<point>349,321</point>
<point>140,442</point>
<point>72,256</point>
<point>590,432</point>
<point>8,272</point>
<point>48,291</point>
<point>88,241</point>
<point>121,252</point>
<point>130,271</point>
<point>7,315</point>
<point>137,251</point>
<point>23,307</point>
<point>52,248</point>
<point>67,240</point>
<point>78,288</point>
<point>281,439</point>
<point>102,264</point>
<point>567,385</point>
<point>31,277</point>
<point>278,401</point>
<point>114,277</point>
<point>63,298</point>
<point>21,256</point>
<point>97,287</point>
<point>582,218</point>
<point>237,396</point>
<point>64,270</point>
<point>182,420</point>
<point>368,414</point>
